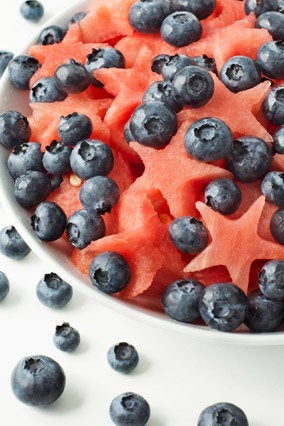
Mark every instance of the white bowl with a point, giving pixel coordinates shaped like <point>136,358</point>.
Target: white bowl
<point>56,254</point>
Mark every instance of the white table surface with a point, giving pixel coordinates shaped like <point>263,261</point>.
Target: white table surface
<point>178,376</point>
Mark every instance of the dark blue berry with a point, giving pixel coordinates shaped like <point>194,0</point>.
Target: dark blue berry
<point>205,62</point>
<point>273,22</point>
<point>271,279</point>
<point>188,234</point>
<point>4,286</point>
<point>223,195</point>
<point>249,159</point>
<point>181,298</point>
<point>72,77</point>
<point>278,140</point>
<point>37,380</point>
<point>129,408</point>
<point>48,221</point>
<point>104,57</point>
<point>200,8</point>
<point>273,106</point>
<point>277,226</point>
<point>164,92</point>
<point>240,73</point>
<point>127,132</point>
<point>55,181</point>
<point>174,64</point>
<point>12,244</point>
<point>56,158</point>
<point>46,90</point>
<point>222,414</point>
<point>208,139</point>
<point>53,292</point>
<point>158,62</point>
<point>272,187</point>
<point>260,6</point>
<point>74,127</point>
<point>32,10</point>
<point>32,188</point>
<point>99,193</point>
<point>5,58</point>
<point>122,357</point>
<point>66,338</point>
<point>146,16</point>
<point>14,129</point>
<point>77,17</point>
<point>51,35</point>
<point>263,314</point>
<point>20,69</point>
<point>181,28</point>
<point>223,306</point>
<point>270,58</point>
<point>109,272</point>
<point>84,226</point>
<point>25,157</point>
<point>153,124</point>
<point>195,86</point>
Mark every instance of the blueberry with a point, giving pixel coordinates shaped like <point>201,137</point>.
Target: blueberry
<point>4,285</point>
<point>55,181</point>
<point>200,8</point>
<point>14,129</point>
<point>32,10</point>
<point>129,408</point>
<point>208,139</point>
<point>263,314</point>
<point>249,159</point>
<point>74,127</point>
<point>277,226</point>
<point>278,140</point>
<point>66,338</point>
<point>38,380</point>
<point>260,6</point>
<point>270,58</point>
<point>180,299</point>
<point>99,193</point>
<point>128,136</point>
<point>51,35</point>
<point>77,17</point>
<point>188,234</point>
<point>104,57</point>
<point>222,414</point>
<point>273,106</point>
<point>84,226</point>
<point>153,124</point>
<point>122,357</point>
<point>181,28</point>
<point>5,58</point>
<point>195,86</point>
<point>53,292</point>
<point>20,70</point>
<point>163,91</point>
<point>240,73</point>
<point>72,77</point>
<point>158,62</point>
<point>272,187</point>
<point>12,244</point>
<point>223,195</point>
<point>271,279</point>
<point>91,157</point>
<point>25,157</point>
<point>223,306</point>
<point>46,90</point>
<point>273,22</point>
<point>205,62</point>
<point>146,16</point>
<point>31,188</point>
<point>48,221</point>
<point>56,158</point>
<point>109,272</point>
<point>174,64</point>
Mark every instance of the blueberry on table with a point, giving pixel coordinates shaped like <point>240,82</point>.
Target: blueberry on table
<point>73,128</point>
<point>72,77</point>
<point>270,58</point>
<point>5,58</point>
<point>272,187</point>
<point>56,158</point>
<point>20,70</point>
<point>271,279</point>
<point>174,64</point>
<point>240,73</point>
<point>223,195</point>
<point>53,292</point>
<point>222,414</point>
<point>25,157</point>
<point>163,91</point>
<point>200,8</point>
<point>273,106</point>
<point>109,272</point>
<point>51,35</point>
<point>99,193</point>
<point>48,221</point>
<point>14,129</point>
<point>66,338</point>
<point>122,357</point>
<point>46,90</point>
<point>181,28</point>
<point>32,10</point>
<point>277,226</point>
<point>278,140</point>
<point>32,188</point>
<point>129,408</point>
<point>188,234</point>
<point>273,22</point>
<point>147,16</point>
<point>38,380</point>
<point>83,227</point>
<point>12,244</point>
<point>4,285</point>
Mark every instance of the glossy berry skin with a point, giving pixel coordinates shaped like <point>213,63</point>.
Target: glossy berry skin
<point>77,18</point>
<point>270,58</point>
<point>12,244</point>
<point>24,157</point>
<point>208,139</point>
<point>174,64</point>
<point>48,221</point>
<point>38,380</point>
<point>4,286</point>
<point>56,158</point>
<point>72,77</point>
<point>91,157</point>
<point>128,136</point>
<point>222,414</point>
<point>273,22</point>
<point>46,90</point>
<point>271,279</point>
<point>53,292</point>
<point>249,158</point>
<point>129,408</point>
<point>99,193</point>
<point>104,57</point>
<point>163,91</point>
<point>260,6</point>
<point>223,195</point>
<point>14,129</point>
<point>32,10</point>
<point>195,86</point>
<point>263,314</point>
<point>223,306</point>
<point>180,299</point>
<point>20,70</point>
<point>5,58</point>
<point>73,128</point>
<point>84,226</point>
<point>51,35</point>
<point>146,16</point>
<point>188,234</point>
<point>272,187</point>
<point>181,28</point>
<point>277,226</point>
<point>32,188</point>
<point>153,124</point>
<point>158,62</point>
<point>122,357</point>
<point>205,62</point>
<point>278,140</point>
<point>66,338</point>
<point>240,73</point>
<point>109,272</point>
<point>200,8</point>
<point>273,106</point>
